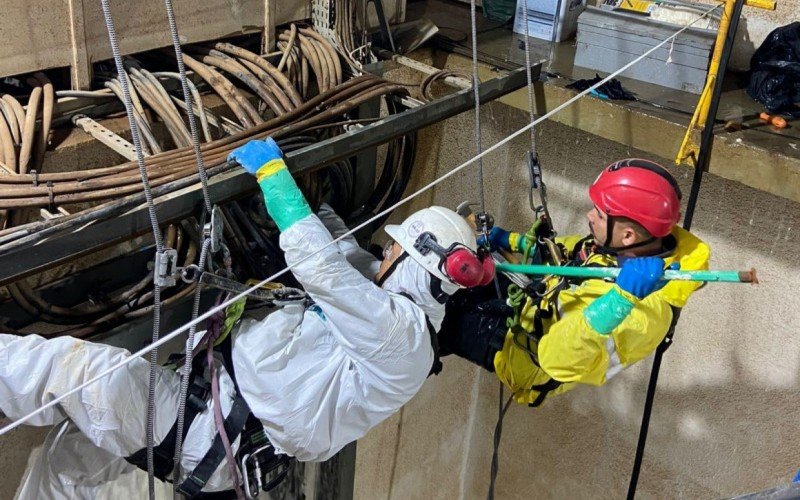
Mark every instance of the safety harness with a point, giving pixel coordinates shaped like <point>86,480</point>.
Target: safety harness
<point>545,301</point>
<point>547,308</point>
<point>260,466</point>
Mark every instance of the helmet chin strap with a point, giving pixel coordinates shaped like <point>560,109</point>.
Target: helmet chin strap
<point>400,258</point>
<point>606,247</point>
<point>436,284</point>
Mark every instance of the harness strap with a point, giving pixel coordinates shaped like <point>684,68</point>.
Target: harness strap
<point>437,365</point>
<point>163,454</point>
<point>234,423</point>
<point>544,390</point>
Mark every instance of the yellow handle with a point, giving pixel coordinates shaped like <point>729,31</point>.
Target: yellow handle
<point>759,4</point>
<point>762,4</point>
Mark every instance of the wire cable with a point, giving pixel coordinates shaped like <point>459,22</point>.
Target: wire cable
<point>201,170</point>
<point>188,99</point>
<point>186,372</point>
<point>477,98</point>
<point>166,338</point>
<point>151,209</point>
<point>529,76</point>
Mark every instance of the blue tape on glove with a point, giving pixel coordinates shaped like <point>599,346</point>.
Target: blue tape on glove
<point>607,312</point>
<point>284,200</point>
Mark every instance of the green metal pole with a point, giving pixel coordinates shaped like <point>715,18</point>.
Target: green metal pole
<point>613,272</point>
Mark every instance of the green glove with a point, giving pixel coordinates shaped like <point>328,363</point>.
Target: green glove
<point>608,311</point>
<point>285,203</point>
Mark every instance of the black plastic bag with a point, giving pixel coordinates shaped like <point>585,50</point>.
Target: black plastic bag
<point>612,89</point>
<point>775,70</point>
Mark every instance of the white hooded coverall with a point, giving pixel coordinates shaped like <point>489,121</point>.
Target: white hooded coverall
<point>318,378</point>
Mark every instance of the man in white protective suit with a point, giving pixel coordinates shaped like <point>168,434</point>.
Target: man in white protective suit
<point>304,382</point>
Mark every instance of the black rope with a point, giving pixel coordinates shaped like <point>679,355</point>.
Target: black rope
<point>703,159</point>
<point>498,431</point>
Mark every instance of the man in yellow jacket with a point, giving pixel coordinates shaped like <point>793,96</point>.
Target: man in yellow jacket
<point>571,331</point>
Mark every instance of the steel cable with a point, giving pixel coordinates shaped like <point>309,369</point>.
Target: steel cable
<point>188,99</point>
<point>123,78</point>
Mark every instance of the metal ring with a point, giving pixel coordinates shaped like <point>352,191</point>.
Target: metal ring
<point>191,273</point>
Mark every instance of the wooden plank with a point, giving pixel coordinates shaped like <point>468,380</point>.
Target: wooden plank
<point>269,36</point>
<point>80,65</point>
<point>142,25</point>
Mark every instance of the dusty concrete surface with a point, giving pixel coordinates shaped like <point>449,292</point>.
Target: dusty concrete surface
<point>727,405</point>
<point>16,447</point>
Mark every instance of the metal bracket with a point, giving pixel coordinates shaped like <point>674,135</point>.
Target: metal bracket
<point>166,267</point>
<point>217,225</point>
<point>46,214</point>
<point>106,136</point>
<point>386,30</point>
<point>323,18</point>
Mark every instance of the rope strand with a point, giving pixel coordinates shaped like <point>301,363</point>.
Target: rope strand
<point>151,210</point>
<point>477,98</point>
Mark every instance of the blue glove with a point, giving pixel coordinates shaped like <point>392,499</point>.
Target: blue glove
<point>498,238</point>
<point>284,201</point>
<point>641,276</point>
<point>255,154</point>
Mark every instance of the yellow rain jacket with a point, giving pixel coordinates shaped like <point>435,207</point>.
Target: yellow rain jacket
<point>570,351</point>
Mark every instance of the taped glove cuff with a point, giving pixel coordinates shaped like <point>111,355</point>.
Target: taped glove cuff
<point>516,242</point>
<point>608,311</point>
<point>270,168</point>
<point>284,201</point>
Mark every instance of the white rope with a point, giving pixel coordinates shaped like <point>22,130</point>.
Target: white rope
<point>166,338</point>
<point>476,95</point>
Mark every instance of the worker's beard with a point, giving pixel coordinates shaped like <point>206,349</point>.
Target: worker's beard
<point>410,278</point>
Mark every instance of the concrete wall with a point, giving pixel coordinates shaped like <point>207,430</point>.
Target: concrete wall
<point>727,406</point>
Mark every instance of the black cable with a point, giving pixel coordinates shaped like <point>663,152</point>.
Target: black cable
<point>498,431</point>
<point>706,143</point>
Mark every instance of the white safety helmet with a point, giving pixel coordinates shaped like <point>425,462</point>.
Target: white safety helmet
<point>443,243</point>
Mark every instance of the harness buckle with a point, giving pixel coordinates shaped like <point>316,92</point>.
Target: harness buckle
<point>198,393</point>
<point>262,469</point>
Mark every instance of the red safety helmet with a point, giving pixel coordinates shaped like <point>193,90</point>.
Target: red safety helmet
<point>640,190</point>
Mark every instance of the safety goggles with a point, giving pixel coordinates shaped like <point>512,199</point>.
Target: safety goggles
<point>458,262</point>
